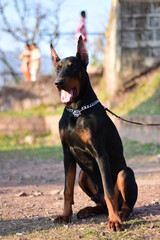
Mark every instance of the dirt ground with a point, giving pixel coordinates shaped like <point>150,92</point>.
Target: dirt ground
<point>31,195</point>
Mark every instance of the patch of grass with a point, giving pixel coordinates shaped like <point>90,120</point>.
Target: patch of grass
<point>134,229</point>
<point>16,146</point>
<point>133,148</point>
<point>149,107</point>
<point>143,100</point>
<point>101,93</point>
<point>42,110</point>
<point>16,143</point>
<point>19,141</point>
<point>30,153</point>
<point>45,152</point>
<point>59,110</point>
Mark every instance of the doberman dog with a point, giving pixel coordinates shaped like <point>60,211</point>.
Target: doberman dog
<point>91,140</point>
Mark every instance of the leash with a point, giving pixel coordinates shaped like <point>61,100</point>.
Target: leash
<point>128,121</point>
<point>77,112</point>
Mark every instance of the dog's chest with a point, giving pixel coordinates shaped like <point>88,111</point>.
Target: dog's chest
<point>79,142</point>
<point>76,136</point>
<point>75,130</point>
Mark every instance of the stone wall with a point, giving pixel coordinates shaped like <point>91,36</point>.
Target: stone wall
<point>27,95</point>
<point>138,36</point>
<point>135,25</point>
<point>142,134</point>
<point>31,126</point>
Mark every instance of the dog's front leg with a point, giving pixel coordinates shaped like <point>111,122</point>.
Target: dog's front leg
<point>70,173</point>
<point>114,221</point>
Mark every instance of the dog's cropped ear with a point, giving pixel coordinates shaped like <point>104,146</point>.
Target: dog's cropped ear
<point>82,51</point>
<point>54,56</point>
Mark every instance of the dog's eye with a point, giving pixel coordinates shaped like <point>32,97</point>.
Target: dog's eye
<point>59,66</point>
<point>70,65</point>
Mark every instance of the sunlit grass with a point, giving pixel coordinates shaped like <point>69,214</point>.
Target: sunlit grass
<point>134,229</point>
<point>143,100</point>
<point>101,92</point>
<point>42,146</point>
<point>18,140</point>
<point>42,110</point>
<point>15,146</point>
<point>30,153</point>
<point>133,149</point>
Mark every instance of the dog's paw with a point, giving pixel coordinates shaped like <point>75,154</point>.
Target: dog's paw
<point>61,219</point>
<point>115,223</point>
<point>84,213</point>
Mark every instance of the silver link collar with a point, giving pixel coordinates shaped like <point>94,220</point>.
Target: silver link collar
<point>76,113</point>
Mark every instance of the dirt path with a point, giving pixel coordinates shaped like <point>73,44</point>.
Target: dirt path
<point>31,195</point>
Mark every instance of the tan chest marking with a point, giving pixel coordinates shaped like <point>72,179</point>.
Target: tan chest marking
<point>85,135</point>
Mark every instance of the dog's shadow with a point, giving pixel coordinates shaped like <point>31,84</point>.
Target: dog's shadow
<point>143,211</point>
<point>23,225</point>
<point>29,225</point>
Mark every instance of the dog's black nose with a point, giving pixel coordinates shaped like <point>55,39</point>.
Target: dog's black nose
<point>59,83</point>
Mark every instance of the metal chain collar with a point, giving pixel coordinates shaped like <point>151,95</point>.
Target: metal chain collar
<point>76,113</point>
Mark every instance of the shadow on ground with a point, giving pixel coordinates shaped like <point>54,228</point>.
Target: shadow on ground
<point>15,226</point>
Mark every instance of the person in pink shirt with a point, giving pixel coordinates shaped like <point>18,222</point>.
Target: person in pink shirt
<point>81,28</point>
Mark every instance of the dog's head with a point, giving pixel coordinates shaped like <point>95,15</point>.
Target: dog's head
<point>69,72</point>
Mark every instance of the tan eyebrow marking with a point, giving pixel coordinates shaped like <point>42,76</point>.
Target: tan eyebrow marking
<point>70,63</point>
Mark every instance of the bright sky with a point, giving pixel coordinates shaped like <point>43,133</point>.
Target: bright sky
<point>97,17</point>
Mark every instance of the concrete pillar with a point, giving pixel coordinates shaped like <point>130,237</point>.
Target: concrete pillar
<point>133,41</point>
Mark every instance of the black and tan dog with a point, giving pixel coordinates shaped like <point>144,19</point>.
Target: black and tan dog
<point>90,139</point>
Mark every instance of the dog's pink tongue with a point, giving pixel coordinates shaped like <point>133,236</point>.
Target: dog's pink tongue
<point>66,96</point>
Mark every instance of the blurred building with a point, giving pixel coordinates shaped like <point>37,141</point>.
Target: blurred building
<point>133,41</point>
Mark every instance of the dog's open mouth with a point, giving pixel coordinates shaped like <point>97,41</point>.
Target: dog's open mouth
<point>68,96</point>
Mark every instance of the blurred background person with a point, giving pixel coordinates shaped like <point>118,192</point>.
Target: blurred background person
<point>25,65</point>
<point>81,28</point>
<point>35,62</point>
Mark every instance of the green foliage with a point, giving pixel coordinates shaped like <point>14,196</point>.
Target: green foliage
<point>17,140</point>
<point>149,107</point>
<point>143,100</point>
<point>42,110</point>
<point>30,153</point>
<point>95,61</point>
<point>39,149</point>
<point>16,146</point>
<point>101,92</point>
<point>133,149</point>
